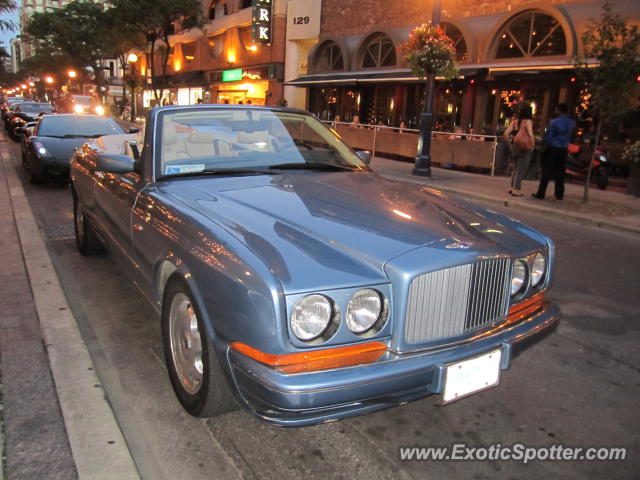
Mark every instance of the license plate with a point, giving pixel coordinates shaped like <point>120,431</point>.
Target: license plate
<point>472,375</point>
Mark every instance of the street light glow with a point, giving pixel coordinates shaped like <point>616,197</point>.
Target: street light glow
<point>48,79</point>
<point>132,58</point>
<point>72,74</point>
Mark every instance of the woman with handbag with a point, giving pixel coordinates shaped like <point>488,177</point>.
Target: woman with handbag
<point>522,146</point>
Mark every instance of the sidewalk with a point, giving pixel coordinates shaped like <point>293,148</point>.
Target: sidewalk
<point>605,209</point>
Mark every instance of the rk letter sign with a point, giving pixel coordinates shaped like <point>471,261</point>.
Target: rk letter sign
<point>261,22</point>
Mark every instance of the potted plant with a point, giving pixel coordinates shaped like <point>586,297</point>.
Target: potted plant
<point>632,155</point>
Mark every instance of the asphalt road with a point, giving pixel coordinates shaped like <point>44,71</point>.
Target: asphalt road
<point>578,387</point>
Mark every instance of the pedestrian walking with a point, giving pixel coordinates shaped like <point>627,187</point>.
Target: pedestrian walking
<point>520,132</point>
<point>554,157</point>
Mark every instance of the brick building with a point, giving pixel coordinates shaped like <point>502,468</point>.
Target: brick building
<point>507,53</point>
<point>223,62</point>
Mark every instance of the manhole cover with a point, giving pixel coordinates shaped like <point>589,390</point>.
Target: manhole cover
<point>60,232</point>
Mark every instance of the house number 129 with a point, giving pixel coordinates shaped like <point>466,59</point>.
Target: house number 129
<point>300,20</point>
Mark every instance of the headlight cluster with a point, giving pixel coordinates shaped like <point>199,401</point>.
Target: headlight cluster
<point>317,317</point>
<point>40,149</point>
<point>528,272</point>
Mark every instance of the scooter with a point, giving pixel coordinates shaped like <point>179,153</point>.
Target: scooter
<point>577,163</point>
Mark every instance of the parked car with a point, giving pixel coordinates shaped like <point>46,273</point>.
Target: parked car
<point>8,106</point>
<point>23,113</point>
<point>292,279</point>
<point>47,153</point>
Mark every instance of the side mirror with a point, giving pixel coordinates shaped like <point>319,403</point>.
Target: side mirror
<point>134,130</point>
<point>114,163</point>
<point>364,155</point>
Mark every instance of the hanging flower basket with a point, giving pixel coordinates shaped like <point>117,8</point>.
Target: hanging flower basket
<point>430,52</point>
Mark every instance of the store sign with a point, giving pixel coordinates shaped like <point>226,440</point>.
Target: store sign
<point>261,22</point>
<point>232,75</point>
<point>303,19</point>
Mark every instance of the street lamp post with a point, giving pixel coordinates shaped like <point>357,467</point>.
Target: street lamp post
<point>132,59</point>
<point>422,166</point>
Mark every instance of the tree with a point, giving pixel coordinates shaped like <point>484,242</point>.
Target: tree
<point>609,65</point>
<point>5,7</point>
<point>156,19</point>
<point>78,32</point>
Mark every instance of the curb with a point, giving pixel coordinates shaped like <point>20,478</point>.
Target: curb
<point>574,217</point>
<point>97,444</point>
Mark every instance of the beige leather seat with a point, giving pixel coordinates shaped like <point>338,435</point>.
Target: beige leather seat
<point>259,141</point>
<point>173,148</point>
<point>200,144</point>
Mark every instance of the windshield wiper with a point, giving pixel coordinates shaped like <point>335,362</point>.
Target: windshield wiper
<point>313,166</point>
<point>217,171</point>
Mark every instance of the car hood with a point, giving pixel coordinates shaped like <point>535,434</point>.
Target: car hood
<point>326,230</point>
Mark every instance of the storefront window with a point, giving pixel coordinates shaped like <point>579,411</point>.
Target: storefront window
<point>379,52</point>
<point>328,58</point>
<point>459,43</point>
<point>531,34</point>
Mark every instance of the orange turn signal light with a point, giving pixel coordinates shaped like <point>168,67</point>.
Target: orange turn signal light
<point>523,309</point>
<point>314,360</point>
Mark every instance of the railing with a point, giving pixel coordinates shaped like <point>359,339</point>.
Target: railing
<point>460,149</point>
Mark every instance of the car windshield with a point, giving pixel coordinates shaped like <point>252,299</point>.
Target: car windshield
<point>236,140</point>
<point>82,100</point>
<point>36,107</point>
<point>77,126</point>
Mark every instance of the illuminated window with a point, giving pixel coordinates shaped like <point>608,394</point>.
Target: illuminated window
<point>216,45</point>
<point>189,52</point>
<point>458,40</point>
<point>530,34</point>
<point>379,52</point>
<point>328,58</point>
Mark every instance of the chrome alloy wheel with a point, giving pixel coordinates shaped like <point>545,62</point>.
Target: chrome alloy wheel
<point>186,344</point>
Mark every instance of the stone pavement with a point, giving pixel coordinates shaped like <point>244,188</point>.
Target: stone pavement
<point>606,208</point>
<point>35,437</point>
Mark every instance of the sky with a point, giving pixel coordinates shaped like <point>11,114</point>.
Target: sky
<point>5,37</point>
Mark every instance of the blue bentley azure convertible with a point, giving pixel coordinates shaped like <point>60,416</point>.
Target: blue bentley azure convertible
<point>292,279</point>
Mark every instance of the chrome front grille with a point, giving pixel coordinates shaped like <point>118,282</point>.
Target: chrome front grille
<point>456,300</point>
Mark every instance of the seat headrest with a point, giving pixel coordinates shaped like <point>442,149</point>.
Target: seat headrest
<point>200,137</point>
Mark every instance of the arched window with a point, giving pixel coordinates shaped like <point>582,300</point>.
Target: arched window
<point>459,43</point>
<point>530,34</point>
<point>379,52</point>
<point>217,9</point>
<point>329,58</point>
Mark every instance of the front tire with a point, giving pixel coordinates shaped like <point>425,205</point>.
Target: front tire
<point>87,241</point>
<point>196,376</point>
<point>602,178</point>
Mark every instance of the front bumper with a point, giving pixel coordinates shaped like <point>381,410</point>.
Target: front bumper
<point>55,167</point>
<point>310,398</point>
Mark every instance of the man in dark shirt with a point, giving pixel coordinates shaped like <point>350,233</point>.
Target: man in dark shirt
<point>554,157</point>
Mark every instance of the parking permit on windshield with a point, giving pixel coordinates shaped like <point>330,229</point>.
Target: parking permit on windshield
<point>173,169</point>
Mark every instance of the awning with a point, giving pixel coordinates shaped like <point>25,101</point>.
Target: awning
<point>369,77</point>
<point>195,78</point>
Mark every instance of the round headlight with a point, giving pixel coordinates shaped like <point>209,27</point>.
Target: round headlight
<point>100,110</point>
<point>311,316</point>
<point>363,310</point>
<point>519,276</point>
<point>78,108</point>
<point>537,269</point>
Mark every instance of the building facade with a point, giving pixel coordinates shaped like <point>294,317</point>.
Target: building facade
<point>507,53</point>
<point>236,57</point>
